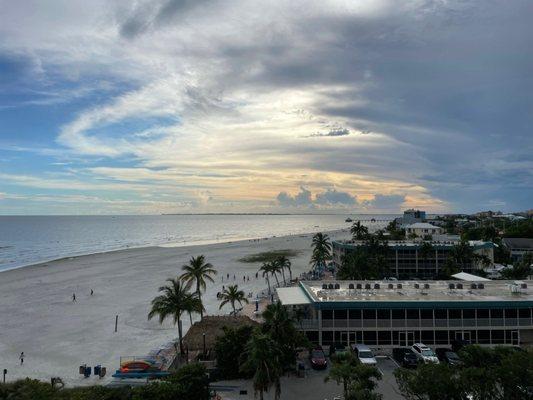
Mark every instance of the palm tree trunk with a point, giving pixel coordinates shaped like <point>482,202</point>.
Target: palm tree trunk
<point>180,336</point>
<point>276,276</point>
<point>233,306</point>
<point>283,273</point>
<point>200,297</point>
<point>268,281</point>
<point>290,274</point>
<point>190,317</point>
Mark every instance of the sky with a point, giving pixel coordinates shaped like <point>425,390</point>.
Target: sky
<point>184,106</point>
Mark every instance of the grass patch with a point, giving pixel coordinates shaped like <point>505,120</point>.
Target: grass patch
<point>268,256</point>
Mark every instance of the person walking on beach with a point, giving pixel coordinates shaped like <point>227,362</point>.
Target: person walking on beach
<point>73,297</point>
<point>21,357</point>
<point>92,292</point>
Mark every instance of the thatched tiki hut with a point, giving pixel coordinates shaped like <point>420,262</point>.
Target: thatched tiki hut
<point>212,326</point>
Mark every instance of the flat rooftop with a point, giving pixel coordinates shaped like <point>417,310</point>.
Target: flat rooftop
<point>398,244</point>
<point>402,291</point>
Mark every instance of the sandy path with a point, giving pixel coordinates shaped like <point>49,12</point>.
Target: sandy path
<point>38,317</point>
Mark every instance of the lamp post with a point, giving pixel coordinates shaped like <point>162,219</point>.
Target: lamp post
<point>5,372</point>
<point>203,337</point>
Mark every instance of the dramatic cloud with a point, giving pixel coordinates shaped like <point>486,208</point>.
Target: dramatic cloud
<point>333,132</point>
<point>385,202</point>
<point>334,197</point>
<point>225,106</point>
<point>303,198</point>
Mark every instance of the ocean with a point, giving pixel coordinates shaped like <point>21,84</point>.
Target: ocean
<point>27,240</point>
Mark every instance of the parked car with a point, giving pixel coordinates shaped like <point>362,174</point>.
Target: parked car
<point>409,360</point>
<point>405,357</point>
<point>424,353</point>
<point>318,358</point>
<point>364,354</point>
<point>448,356</point>
<point>337,348</point>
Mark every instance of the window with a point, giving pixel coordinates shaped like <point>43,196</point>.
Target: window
<point>441,337</point>
<point>327,338</point>
<point>469,313</point>
<point>511,313</point>
<point>412,314</point>
<point>454,314</point>
<point>384,338</point>
<point>327,314</point>
<point>312,336</point>
<point>341,314</point>
<point>383,314</point>
<point>441,314</point>
<point>398,314</point>
<point>355,314</point>
<point>496,313</point>
<point>427,337</point>
<point>369,314</point>
<point>369,337</point>
<point>426,314</point>
<point>498,337</point>
<point>482,313</point>
<point>483,337</point>
<point>524,313</point>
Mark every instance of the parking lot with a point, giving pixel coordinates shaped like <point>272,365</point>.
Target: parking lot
<point>312,385</point>
<point>387,386</point>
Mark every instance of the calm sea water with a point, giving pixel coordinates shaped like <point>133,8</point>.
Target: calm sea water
<point>26,240</point>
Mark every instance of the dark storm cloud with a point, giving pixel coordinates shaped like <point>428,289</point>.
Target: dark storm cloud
<point>452,80</point>
<point>332,133</point>
<point>385,202</point>
<point>149,14</point>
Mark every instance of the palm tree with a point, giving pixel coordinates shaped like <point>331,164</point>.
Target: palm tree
<point>358,230</point>
<point>263,357</point>
<point>194,306</point>
<point>198,272</point>
<point>321,249</point>
<point>175,300</point>
<point>285,263</point>
<point>275,268</point>
<point>266,270</point>
<point>231,295</point>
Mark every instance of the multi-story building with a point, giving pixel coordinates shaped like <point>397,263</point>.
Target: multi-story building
<point>410,217</point>
<point>386,314</point>
<point>518,247</point>
<point>407,260</point>
<point>422,229</point>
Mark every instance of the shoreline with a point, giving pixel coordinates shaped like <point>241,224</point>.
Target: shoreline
<point>57,334</point>
<point>198,243</point>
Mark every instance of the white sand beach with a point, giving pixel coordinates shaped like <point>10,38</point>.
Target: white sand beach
<point>57,335</point>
